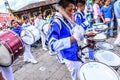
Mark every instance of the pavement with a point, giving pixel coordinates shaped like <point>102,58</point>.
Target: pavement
<point>47,67</point>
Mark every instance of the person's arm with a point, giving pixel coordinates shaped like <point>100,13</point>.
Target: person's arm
<point>1,77</point>
<point>54,41</point>
<point>102,16</point>
<point>113,15</point>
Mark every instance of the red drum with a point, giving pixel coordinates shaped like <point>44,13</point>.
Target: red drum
<point>11,46</point>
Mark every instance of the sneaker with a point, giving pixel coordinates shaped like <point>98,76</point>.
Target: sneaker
<point>27,61</point>
<point>34,61</point>
<point>45,49</point>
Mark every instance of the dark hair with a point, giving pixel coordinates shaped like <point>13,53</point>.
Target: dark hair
<point>25,18</point>
<point>65,3</point>
<point>12,21</point>
<point>81,3</point>
<point>37,14</point>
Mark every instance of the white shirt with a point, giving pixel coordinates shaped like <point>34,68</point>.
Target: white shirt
<point>39,23</point>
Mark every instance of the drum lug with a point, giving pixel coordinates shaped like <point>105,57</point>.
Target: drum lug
<point>7,39</point>
<point>20,47</point>
<point>16,51</point>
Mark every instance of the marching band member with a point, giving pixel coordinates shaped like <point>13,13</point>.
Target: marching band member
<point>80,19</point>
<point>38,24</point>
<point>28,57</point>
<point>27,54</point>
<point>6,73</point>
<point>79,16</point>
<point>61,39</point>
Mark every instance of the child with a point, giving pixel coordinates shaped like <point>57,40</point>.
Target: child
<point>107,16</point>
<point>96,11</point>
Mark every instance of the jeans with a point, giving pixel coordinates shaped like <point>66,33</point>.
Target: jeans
<point>97,20</point>
<point>110,25</point>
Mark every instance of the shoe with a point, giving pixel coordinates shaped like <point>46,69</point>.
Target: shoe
<point>45,49</point>
<point>27,61</point>
<point>34,61</point>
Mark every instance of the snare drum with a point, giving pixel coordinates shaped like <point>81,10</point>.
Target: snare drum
<point>100,37</point>
<point>107,57</point>
<point>97,71</point>
<point>45,28</point>
<point>104,45</point>
<point>30,35</point>
<point>11,46</point>
<point>99,27</point>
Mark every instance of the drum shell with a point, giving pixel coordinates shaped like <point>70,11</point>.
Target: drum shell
<point>32,32</point>
<point>13,43</point>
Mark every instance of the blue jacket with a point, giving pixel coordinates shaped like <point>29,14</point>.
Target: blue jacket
<point>17,30</point>
<point>79,18</point>
<point>59,38</point>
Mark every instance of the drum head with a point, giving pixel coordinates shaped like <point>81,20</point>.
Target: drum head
<point>45,28</point>
<point>104,45</point>
<point>100,37</point>
<point>107,57</point>
<point>27,36</point>
<point>5,57</point>
<point>97,24</point>
<point>97,71</point>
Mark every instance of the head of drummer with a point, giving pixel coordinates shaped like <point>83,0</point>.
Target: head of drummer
<point>81,6</point>
<point>14,23</point>
<point>66,6</point>
<point>26,20</point>
<point>39,15</point>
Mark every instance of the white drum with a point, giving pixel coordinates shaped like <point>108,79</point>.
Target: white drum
<point>104,45</point>
<point>99,27</point>
<point>45,28</point>
<point>30,35</point>
<point>100,37</point>
<point>97,71</point>
<point>107,57</point>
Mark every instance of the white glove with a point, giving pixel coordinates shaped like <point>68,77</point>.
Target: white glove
<point>78,32</point>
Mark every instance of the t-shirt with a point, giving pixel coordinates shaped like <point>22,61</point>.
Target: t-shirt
<point>107,11</point>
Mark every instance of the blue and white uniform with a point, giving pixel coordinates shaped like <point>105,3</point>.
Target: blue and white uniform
<point>7,73</point>
<point>17,30</point>
<point>59,41</point>
<point>39,24</point>
<point>80,19</point>
<point>28,57</point>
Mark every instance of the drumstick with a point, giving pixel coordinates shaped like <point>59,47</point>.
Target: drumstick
<point>84,76</point>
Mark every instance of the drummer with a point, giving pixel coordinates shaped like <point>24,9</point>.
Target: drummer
<point>38,24</point>
<point>61,39</point>
<point>27,54</point>
<point>6,72</point>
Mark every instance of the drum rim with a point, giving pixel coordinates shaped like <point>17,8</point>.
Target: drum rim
<point>43,26</point>
<point>104,42</point>
<point>106,50</point>
<point>100,63</point>
<point>11,49</point>
<point>32,35</point>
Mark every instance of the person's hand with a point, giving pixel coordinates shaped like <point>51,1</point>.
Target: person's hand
<point>90,34</point>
